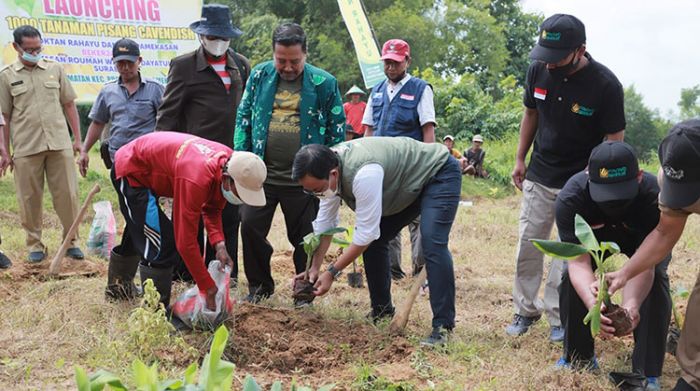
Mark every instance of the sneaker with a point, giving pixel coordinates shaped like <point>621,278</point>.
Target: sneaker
<point>5,262</point>
<point>75,253</point>
<point>653,383</point>
<point>521,324</point>
<point>438,337</point>
<point>556,334</point>
<point>633,381</point>
<point>578,365</point>
<point>36,256</point>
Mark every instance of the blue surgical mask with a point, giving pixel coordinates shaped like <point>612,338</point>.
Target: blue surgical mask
<point>33,58</point>
<point>230,196</point>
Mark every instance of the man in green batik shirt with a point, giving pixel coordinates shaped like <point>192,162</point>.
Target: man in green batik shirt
<point>286,104</point>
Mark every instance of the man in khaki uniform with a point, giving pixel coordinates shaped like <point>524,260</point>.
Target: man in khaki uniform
<point>679,180</point>
<point>36,99</point>
<point>4,165</point>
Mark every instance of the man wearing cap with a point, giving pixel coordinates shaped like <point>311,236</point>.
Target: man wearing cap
<point>200,176</point>
<point>386,191</point>
<point>449,142</point>
<point>679,180</point>
<point>130,103</point>
<point>401,106</point>
<point>288,103</point>
<point>571,104</point>
<point>202,95</point>
<point>475,158</point>
<point>354,109</point>
<point>619,202</point>
<point>38,103</point>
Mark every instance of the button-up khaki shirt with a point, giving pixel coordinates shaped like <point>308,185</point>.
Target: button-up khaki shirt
<point>33,98</point>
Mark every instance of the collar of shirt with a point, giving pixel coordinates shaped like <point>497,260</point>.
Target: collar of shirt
<point>394,88</point>
<point>141,81</point>
<point>19,65</point>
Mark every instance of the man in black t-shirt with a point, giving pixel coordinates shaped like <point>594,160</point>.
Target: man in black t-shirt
<point>571,104</point>
<point>619,202</point>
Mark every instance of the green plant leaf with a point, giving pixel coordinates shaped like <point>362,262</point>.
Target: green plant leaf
<point>559,249</point>
<point>145,377</point>
<point>327,387</point>
<point>216,374</point>
<point>81,379</point>
<point>276,386</point>
<point>594,318</point>
<point>584,233</point>
<point>333,231</point>
<point>191,374</point>
<point>610,247</point>
<point>681,292</point>
<point>99,379</point>
<point>341,242</point>
<point>250,385</point>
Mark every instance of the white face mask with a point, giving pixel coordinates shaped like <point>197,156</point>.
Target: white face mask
<point>230,196</point>
<point>216,47</point>
<point>326,194</point>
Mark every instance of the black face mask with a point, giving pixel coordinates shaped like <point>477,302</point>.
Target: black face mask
<point>615,209</point>
<point>562,71</point>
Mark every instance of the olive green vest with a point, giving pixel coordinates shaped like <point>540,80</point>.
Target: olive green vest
<point>408,165</point>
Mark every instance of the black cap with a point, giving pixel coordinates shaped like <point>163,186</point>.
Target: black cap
<point>125,49</point>
<point>612,172</point>
<point>216,21</point>
<point>559,35</point>
<point>679,154</point>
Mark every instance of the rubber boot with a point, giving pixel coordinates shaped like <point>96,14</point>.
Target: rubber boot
<point>162,280</point>
<point>120,276</point>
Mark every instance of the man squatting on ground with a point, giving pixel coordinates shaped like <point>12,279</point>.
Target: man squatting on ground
<point>619,202</point>
<point>200,176</point>
<point>388,182</point>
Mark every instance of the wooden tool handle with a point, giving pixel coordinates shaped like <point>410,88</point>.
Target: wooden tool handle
<point>56,261</point>
<point>398,323</point>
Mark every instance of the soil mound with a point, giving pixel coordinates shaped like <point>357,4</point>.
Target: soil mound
<point>22,270</point>
<point>286,341</point>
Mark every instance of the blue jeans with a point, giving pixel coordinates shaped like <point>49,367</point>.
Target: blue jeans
<point>437,206</point>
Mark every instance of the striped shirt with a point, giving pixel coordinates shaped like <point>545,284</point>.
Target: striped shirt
<point>220,68</point>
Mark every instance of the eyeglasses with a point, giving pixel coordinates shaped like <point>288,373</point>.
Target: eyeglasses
<point>32,50</point>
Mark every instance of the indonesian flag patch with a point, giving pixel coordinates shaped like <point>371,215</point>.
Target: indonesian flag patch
<point>540,93</point>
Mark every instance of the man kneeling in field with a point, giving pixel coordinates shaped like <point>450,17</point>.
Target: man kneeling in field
<point>200,176</point>
<point>388,182</point>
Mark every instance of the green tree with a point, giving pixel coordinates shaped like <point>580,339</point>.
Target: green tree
<point>689,105</point>
<point>645,127</point>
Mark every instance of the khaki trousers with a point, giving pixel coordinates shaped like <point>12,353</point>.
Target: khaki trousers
<point>688,354</point>
<point>59,169</point>
<point>536,221</point>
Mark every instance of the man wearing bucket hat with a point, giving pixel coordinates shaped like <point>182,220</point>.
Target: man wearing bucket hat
<point>619,202</point>
<point>202,96</point>
<point>572,103</point>
<point>401,106</point>
<point>130,104</point>
<point>200,176</point>
<point>354,109</point>
<point>679,180</point>
<point>288,103</point>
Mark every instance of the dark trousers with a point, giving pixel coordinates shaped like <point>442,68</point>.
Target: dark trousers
<point>299,211</point>
<point>649,336</point>
<point>437,206</point>
<point>150,232</point>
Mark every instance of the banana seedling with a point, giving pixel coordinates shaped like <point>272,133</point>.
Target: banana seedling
<point>304,289</point>
<point>601,253</point>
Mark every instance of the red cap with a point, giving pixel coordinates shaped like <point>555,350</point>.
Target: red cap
<point>396,50</point>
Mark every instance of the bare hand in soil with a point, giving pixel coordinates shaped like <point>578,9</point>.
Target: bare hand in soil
<point>211,298</point>
<point>323,284</point>
<point>313,275</point>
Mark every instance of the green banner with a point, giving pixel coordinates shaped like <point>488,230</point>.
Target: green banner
<point>367,52</point>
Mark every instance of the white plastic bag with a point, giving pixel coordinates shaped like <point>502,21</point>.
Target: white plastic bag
<point>191,306</point>
<point>103,231</point>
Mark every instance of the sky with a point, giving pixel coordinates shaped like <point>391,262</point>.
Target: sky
<point>651,44</point>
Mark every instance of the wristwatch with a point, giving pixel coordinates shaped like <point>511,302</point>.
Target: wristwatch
<point>333,271</point>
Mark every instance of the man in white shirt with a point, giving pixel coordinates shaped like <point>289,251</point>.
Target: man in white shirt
<point>386,191</point>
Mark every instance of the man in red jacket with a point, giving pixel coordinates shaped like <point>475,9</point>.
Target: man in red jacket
<point>200,176</point>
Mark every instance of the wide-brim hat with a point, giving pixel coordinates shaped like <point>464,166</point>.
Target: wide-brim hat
<point>355,90</point>
<point>216,21</point>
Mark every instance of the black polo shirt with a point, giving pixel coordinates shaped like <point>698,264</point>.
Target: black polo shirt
<point>574,115</point>
<point>628,231</point>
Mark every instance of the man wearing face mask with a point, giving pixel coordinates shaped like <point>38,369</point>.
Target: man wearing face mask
<point>571,104</point>
<point>619,202</point>
<point>288,103</point>
<point>200,176</point>
<point>36,100</point>
<point>386,191</point>
<point>202,95</point>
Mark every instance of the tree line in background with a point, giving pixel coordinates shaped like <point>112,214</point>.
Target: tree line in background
<point>473,52</point>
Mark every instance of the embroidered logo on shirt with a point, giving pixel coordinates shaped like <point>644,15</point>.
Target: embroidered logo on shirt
<point>540,93</point>
<point>407,97</point>
<point>16,83</point>
<point>378,95</point>
<point>582,110</point>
